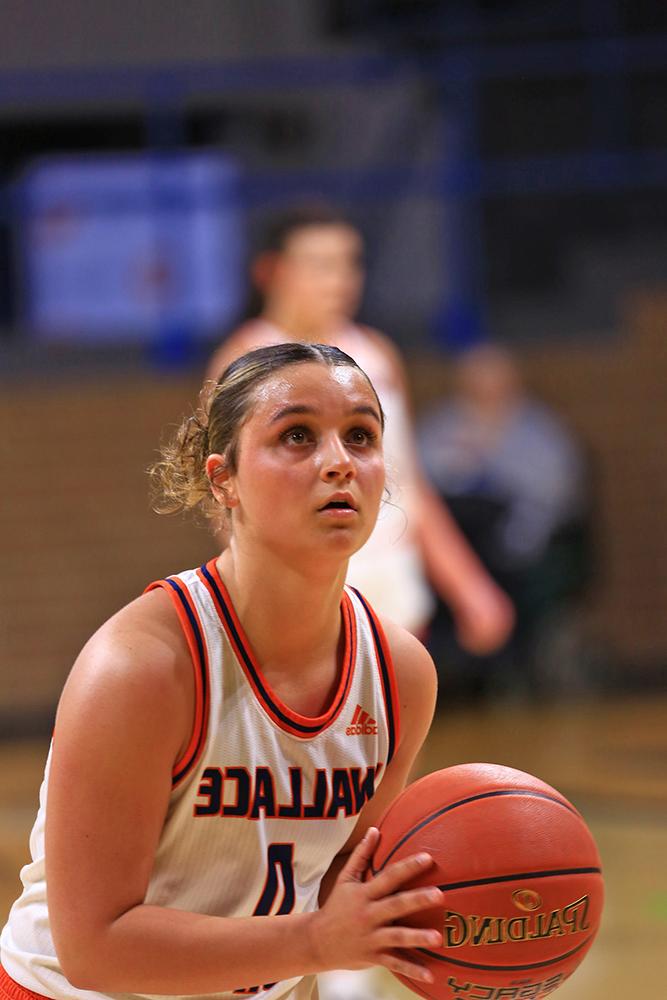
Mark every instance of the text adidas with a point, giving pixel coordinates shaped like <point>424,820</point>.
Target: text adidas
<point>368,728</point>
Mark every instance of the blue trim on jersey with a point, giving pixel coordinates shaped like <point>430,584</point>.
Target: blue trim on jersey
<point>196,631</point>
<point>386,679</point>
<point>257,677</point>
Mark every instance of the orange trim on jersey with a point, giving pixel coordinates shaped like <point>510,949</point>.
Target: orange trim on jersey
<point>194,635</point>
<point>281,714</point>
<point>11,990</point>
<point>387,677</point>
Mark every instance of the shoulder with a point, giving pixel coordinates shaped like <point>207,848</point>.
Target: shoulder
<point>246,337</point>
<point>536,418</point>
<point>145,633</point>
<point>135,671</point>
<point>386,348</point>
<point>413,664</point>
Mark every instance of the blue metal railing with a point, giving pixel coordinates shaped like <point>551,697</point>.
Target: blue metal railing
<point>462,175</point>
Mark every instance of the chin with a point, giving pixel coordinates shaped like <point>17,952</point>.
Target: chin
<point>346,542</point>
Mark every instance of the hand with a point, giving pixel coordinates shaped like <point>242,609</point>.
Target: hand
<point>359,925</point>
<point>484,617</point>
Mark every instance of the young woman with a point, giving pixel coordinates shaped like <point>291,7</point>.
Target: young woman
<point>226,743</point>
<point>308,281</point>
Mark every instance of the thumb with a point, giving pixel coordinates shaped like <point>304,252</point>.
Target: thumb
<point>359,860</point>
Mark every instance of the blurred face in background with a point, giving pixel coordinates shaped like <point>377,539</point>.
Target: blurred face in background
<point>488,379</point>
<point>316,280</point>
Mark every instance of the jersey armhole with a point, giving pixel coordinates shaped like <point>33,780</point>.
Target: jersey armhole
<point>194,635</point>
<point>387,677</point>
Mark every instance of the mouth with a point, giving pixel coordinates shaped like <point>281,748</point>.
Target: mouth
<point>339,503</point>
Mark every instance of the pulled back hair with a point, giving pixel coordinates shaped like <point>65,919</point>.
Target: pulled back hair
<point>178,479</point>
<point>304,216</point>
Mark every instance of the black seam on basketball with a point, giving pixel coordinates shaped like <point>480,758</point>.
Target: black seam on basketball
<point>505,968</point>
<point>464,802</point>
<point>520,876</point>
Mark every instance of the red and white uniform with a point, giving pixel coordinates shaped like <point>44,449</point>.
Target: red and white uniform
<point>263,798</point>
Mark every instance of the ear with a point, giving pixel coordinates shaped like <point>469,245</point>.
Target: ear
<point>263,269</point>
<point>220,478</point>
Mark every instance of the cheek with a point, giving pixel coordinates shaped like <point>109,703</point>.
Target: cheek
<point>376,474</point>
<point>253,484</point>
<point>324,281</point>
<point>267,483</point>
<point>354,287</point>
<point>304,283</point>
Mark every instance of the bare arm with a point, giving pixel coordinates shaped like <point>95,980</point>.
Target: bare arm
<point>484,614</point>
<point>124,719</point>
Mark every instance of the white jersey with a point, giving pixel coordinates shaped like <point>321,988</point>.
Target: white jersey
<point>389,568</point>
<point>263,798</point>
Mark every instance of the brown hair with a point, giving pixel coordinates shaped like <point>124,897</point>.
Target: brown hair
<point>305,216</point>
<point>179,481</point>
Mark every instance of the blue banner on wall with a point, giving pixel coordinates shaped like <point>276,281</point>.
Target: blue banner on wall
<point>131,247</point>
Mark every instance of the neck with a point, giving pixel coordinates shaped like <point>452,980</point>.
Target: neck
<point>316,330</point>
<point>290,614</point>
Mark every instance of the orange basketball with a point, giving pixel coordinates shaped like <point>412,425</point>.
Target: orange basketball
<point>521,876</point>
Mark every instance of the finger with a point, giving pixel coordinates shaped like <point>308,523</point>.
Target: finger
<point>401,904</point>
<point>392,877</point>
<point>408,937</point>
<point>359,860</point>
<point>405,967</point>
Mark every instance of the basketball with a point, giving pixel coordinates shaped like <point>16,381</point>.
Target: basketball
<point>521,876</point>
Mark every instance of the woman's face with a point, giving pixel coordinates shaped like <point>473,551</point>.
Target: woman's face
<point>319,273</point>
<point>309,463</point>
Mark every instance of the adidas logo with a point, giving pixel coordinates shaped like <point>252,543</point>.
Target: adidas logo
<point>362,724</point>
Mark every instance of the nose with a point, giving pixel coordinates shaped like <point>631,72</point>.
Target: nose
<point>336,461</point>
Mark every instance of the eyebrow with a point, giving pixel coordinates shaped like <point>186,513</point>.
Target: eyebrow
<point>301,408</point>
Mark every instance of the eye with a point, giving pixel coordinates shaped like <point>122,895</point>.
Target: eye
<point>296,435</point>
<point>361,436</point>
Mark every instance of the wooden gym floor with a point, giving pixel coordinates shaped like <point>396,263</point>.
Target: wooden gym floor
<point>608,756</point>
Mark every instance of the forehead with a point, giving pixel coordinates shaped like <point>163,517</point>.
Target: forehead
<point>319,387</point>
<point>336,238</point>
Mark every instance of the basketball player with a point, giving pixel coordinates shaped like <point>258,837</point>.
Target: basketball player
<point>226,743</point>
<point>309,280</point>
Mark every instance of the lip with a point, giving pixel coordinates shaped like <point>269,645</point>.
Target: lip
<point>339,498</point>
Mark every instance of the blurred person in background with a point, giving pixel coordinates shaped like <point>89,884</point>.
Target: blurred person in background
<point>515,479</point>
<point>308,280</point>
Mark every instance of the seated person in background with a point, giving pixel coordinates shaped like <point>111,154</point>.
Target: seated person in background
<point>515,480</point>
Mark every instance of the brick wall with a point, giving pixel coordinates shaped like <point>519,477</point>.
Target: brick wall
<point>78,538</point>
